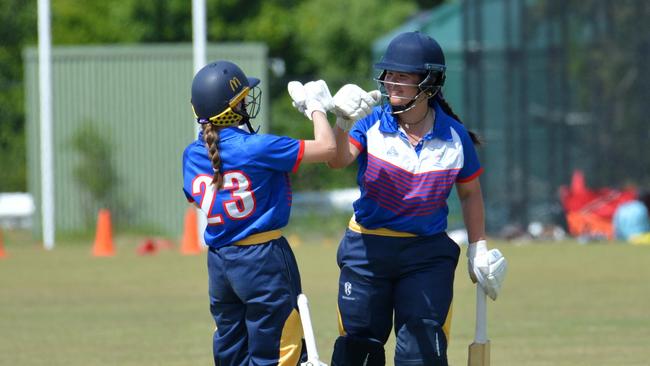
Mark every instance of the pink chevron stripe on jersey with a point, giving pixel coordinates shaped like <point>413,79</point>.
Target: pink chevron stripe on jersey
<point>403,192</point>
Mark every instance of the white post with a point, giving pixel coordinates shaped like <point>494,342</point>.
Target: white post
<point>199,33</point>
<point>199,40</point>
<point>45,95</point>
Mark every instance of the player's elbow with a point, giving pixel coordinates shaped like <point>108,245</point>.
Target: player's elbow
<point>330,151</point>
<point>326,150</point>
<point>337,162</point>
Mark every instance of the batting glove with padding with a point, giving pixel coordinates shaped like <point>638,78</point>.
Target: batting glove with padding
<point>487,267</point>
<point>352,103</point>
<point>310,97</point>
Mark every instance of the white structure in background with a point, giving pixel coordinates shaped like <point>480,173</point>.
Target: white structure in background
<point>339,200</point>
<point>45,100</point>
<point>16,210</point>
<point>199,41</point>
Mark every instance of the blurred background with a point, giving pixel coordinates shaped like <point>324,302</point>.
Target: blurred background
<point>556,89</point>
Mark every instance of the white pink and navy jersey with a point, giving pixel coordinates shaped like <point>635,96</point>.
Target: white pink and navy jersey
<point>256,193</point>
<point>405,188</point>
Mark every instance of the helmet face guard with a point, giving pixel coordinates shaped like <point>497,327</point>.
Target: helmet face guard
<point>243,107</point>
<point>413,53</point>
<point>223,96</point>
<point>429,86</point>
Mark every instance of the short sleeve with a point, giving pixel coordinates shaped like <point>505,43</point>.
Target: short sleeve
<point>279,153</point>
<point>190,156</point>
<point>471,166</point>
<point>359,132</point>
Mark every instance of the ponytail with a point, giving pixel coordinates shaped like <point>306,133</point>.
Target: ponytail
<point>211,137</point>
<point>447,109</point>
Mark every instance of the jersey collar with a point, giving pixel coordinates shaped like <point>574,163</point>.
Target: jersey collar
<point>441,125</point>
<point>226,133</point>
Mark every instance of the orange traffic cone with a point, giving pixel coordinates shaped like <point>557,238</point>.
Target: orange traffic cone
<point>2,249</point>
<point>103,246</point>
<point>190,243</point>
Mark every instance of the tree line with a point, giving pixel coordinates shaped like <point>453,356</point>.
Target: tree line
<point>313,39</point>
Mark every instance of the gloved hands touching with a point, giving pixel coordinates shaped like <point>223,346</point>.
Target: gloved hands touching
<point>487,267</point>
<point>310,97</point>
<point>349,104</point>
<point>352,103</point>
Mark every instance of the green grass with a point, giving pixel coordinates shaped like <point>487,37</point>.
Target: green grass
<point>562,304</point>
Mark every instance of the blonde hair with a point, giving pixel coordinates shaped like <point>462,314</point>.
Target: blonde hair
<point>211,138</point>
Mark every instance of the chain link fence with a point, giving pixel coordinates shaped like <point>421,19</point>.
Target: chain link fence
<point>555,86</point>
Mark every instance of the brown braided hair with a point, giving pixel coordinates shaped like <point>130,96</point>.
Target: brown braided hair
<point>447,109</point>
<point>211,137</point>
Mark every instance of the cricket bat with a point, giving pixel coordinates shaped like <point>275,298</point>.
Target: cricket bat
<point>479,350</point>
<point>308,331</point>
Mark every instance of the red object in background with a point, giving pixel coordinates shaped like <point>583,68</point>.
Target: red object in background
<point>589,212</point>
<point>2,249</point>
<point>151,246</point>
<point>147,247</point>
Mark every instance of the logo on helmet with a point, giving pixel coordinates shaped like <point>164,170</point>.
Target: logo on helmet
<point>234,83</point>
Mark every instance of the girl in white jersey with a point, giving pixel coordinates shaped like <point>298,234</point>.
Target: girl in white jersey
<point>395,257</point>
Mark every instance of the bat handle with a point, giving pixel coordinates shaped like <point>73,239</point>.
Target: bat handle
<point>305,318</point>
<point>480,336</point>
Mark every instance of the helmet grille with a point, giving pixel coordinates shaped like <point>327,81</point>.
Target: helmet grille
<point>228,117</point>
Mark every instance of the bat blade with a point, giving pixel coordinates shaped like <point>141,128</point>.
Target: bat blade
<point>479,354</point>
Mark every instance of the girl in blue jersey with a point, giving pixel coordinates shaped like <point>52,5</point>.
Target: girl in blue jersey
<point>240,180</point>
<point>395,258</point>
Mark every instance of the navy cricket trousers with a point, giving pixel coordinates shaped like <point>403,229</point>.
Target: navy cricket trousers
<point>410,278</point>
<point>253,300</point>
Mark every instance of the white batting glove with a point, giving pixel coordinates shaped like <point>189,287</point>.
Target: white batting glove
<point>310,97</point>
<point>298,95</point>
<point>352,103</point>
<point>487,267</point>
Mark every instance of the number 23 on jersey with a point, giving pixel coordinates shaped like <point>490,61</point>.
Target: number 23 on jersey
<point>242,202</point>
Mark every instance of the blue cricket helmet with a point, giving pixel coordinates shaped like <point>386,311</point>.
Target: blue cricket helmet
<point>415,52</point>
<point>218,89</point>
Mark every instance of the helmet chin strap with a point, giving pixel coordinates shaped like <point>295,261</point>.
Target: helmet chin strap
<point>398,109</point>
<point>246,121</point>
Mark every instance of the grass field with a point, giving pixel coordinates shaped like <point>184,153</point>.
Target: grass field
<point>562,304</point>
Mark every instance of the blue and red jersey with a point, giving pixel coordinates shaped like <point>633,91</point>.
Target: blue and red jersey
<point>405,189</point>
<point>256,193</point>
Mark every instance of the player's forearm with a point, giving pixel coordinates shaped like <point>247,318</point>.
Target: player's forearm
<point>343,155</point>
<point>323,147</point>
<point>473,215</point>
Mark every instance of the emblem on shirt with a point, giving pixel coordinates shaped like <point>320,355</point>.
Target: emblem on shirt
<point>392,152</point>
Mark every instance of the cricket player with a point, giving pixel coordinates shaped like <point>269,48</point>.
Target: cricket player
<point>240,180</point>
<point>396,262</point>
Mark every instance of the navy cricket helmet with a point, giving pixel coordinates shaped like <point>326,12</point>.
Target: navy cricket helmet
<point>415,52</point>
<point>217,91</point>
